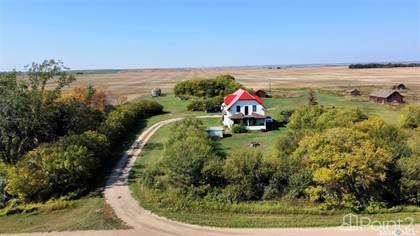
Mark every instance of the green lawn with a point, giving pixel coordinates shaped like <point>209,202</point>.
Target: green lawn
<point>275,105</point>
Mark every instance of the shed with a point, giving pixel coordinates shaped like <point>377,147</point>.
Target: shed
<point>355,92</point>
<point>156,92</point>
<point>386,96</point>
<point>400,87</point>
<point>215,132</point>
<point>261,93</point>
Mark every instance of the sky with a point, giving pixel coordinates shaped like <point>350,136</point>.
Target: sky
<point>105,34</point>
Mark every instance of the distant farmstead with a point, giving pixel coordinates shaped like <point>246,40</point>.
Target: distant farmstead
<point>386,96</point>
<point>261,93</point>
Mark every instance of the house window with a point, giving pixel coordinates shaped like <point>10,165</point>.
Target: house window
<point>238,108</point>
<point>254,108</point>
<point>246,110</point>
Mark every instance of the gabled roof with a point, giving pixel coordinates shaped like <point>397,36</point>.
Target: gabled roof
<point>383,93</point>
<point>240,94</point>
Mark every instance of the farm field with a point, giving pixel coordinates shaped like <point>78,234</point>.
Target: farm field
<point>138,82</point>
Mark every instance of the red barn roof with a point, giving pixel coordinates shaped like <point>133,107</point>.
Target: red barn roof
<point>241,95</point>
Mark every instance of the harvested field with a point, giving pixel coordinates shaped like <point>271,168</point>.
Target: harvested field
<point>135,83</point>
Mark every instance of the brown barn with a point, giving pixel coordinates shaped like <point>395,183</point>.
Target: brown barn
<point>261,93</point>
<point>386,96</point>
<point>355,92</point>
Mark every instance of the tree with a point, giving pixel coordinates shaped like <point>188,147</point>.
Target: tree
<point>245,176</point>
<point>26,108</point>
<point>94,98</point>
<point>51,170</point>
<point>347,167</point>
<point>185,154</point>
<point>18,124</point>
<point>312,99</point>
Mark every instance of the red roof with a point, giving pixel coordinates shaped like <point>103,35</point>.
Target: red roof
<point>241,95</point>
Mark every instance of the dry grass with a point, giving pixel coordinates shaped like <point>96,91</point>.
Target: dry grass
<point>135,83</point>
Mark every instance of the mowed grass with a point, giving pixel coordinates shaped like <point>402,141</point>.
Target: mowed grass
<point>389,113</point>
<point>86,214</point>
<point>262,214</point>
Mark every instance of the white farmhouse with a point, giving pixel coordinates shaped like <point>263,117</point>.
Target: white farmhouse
<point>243,107</point>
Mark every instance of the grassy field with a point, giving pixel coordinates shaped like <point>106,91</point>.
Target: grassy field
<point>87,213</point>
<point>388,113</point>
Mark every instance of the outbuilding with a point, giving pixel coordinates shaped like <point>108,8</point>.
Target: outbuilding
<point>386,96</point>
<point>355,92</point>
<point>261,93</point>
<point>215,132</point>
<point>400,87</point>
<point>156,92</point>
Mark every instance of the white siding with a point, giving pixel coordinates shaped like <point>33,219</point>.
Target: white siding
<point>243,103</point>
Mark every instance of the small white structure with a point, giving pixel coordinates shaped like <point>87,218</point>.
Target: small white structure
<point>156,92</point>
<point>243,107</point>
<point>215,132</point>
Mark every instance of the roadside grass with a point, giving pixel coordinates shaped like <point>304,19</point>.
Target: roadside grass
<point>85,214</point>
<point>263,214</point>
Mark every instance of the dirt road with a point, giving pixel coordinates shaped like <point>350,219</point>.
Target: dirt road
<point>118,196</point>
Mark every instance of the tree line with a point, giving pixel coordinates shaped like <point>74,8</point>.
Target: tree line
<point>338,158</point>
<point>53,143</point>
<point>382,65</point>
<point>207,93</point>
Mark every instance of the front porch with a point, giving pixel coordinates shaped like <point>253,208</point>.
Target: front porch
<point>252,123</point>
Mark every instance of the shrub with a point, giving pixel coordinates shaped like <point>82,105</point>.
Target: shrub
<point>50,171</point>
<point>186,153</point>
<point>73,116</point>
<point>284,117</point>
<point>410,179</point>
<point>3,196</point>
<point>123,118</point>
<point>204,104</point>
<point>95,142</point>
<point>239,128</point>
<point>410,117</point>
<point>347,168</point>
<point>245,176</point>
